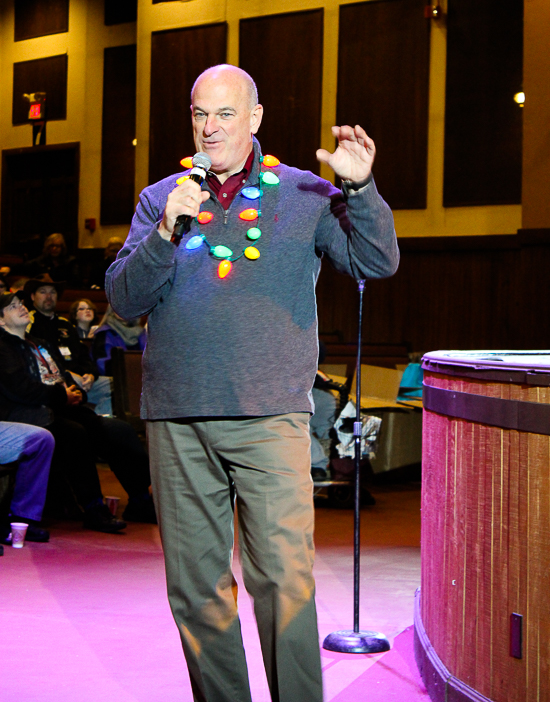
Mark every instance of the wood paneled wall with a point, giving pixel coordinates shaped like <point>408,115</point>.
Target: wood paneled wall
<point>118,132</point>
<point>450,293</point>
<point>284,55</point>
<point>120,11</point>
<point>47,75</point>
<point>177,58</point>
<point>37,18</point>
<point>40,191</point>
<point>483,124</point>
<point>485,555</point>
<point>383,74</point>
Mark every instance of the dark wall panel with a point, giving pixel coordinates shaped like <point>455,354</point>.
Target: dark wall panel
<point>120,11</point>
<point>40,188</point>
<point>36,18</point>
<point>483,124</point>
<point>118,133</point>
<point>471,292</point>
<point>47,75</point>
<point>383,82</point>
<point>177,58</point>
<point>284,55</point>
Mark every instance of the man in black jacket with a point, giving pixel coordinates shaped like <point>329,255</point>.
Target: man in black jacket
<point>36,389</point>
<point>58,331</point>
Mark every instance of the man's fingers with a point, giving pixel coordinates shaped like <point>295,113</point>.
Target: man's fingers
<point>323,155</point>
<point>185,199</point>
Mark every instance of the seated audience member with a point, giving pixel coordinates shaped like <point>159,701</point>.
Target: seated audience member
<point>35,388</point>
<point>61,333</point>
<point>115,331</point>
<point>56,262</point>
<point>83,315</point>
<point>97,276</point>
<point>32,447</point>
<point>322,421</point>
<point>320,426</point>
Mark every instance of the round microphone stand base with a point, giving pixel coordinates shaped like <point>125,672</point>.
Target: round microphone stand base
<point>356,642</point>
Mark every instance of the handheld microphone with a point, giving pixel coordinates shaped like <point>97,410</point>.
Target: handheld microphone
<point>201,163</point>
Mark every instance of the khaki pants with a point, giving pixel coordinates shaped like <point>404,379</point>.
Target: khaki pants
<point>197,468</point>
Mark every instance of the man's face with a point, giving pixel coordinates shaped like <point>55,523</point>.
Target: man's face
<point>16,316</point>
<point>223,120</point>
<point>45,299</point>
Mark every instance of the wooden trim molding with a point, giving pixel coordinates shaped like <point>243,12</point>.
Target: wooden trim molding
<point>440,684</point>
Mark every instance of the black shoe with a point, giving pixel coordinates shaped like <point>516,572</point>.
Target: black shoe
<point>319,474</point>
<point>367,498</point>
<point>36,534</point>
<point>5,534</point>
<point>99,518</point>
<point>141,511</point>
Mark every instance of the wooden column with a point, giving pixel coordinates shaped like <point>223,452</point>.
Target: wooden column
<point>536,117</point>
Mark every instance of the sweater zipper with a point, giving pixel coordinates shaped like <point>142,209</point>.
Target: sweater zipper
<point>225,216</point>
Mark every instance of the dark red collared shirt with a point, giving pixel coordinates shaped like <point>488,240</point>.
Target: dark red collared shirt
<point>226,192</point>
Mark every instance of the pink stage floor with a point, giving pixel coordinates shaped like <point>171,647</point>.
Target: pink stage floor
<point>85,617</point>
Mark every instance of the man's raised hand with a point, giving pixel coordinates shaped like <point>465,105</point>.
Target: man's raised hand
<point>354,155</point>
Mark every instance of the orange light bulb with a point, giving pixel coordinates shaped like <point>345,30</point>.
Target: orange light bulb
<point>205,217</point>
<point>270,161</point>
<point>249,215</point>
<point>187,162</point>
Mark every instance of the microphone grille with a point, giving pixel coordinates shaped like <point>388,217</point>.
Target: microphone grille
<point>201,160</point>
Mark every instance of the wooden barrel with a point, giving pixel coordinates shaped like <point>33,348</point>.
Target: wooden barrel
<point>482,617</point>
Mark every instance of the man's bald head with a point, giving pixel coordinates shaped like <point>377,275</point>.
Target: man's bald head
<point>225,114</point>
<point>233,75</point>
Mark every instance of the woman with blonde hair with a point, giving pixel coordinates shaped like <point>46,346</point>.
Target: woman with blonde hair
<point>55,261</point>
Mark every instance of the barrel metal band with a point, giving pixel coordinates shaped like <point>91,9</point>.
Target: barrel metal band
<point>532,417</point>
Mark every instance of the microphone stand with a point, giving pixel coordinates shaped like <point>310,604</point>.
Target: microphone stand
<point>356,641</point>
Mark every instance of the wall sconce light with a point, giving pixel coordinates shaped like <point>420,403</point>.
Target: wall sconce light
<point>519,98</point>
<point>433,11</point>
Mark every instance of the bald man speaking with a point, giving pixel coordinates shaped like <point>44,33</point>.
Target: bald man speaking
<point>227,375</point>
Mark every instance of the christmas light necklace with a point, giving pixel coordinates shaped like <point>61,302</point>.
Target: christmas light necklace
<point>223,253</point>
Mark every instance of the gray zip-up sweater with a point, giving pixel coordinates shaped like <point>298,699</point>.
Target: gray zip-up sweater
<point>245,345</point>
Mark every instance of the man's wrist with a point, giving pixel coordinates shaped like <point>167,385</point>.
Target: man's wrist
<point>356,185</point>
<point>163,232</point>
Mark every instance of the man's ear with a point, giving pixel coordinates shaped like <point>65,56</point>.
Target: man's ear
<point>2,322</point>
<point>256,118</point>
<point>32,297</point>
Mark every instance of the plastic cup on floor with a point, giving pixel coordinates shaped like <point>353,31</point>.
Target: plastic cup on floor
<point>112,504</point>
<point>18,531</point>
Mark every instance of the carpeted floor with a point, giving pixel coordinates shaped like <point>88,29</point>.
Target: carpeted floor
<point>85,617</point>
